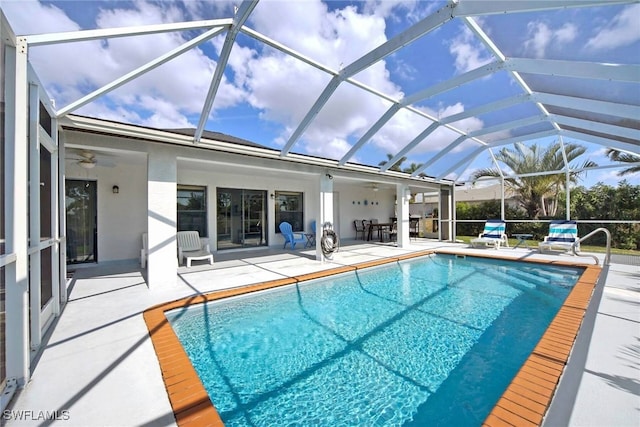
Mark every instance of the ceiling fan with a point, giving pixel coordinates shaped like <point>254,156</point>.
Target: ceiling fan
<point>373,186</point>
<point>87,159</point>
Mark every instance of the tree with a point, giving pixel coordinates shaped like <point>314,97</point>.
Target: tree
<point>603,202</point>
<point>537,194</point>
<point>396,166</point>
<point>619,156</point>
<point>412,168</point>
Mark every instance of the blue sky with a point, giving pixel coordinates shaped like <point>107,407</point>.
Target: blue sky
<point>265,94</point>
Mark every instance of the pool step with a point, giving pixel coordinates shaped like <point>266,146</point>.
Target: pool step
<point>546,277</point>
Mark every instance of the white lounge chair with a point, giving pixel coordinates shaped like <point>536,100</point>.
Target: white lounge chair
<point>492,235</point>
<point>192,247</point>
<point>562,236</point>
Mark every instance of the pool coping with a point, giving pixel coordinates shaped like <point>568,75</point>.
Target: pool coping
<point>523,403</point>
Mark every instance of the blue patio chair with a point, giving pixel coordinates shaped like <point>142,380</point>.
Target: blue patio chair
<point>494,234</point>
<point>562,235</point>
<point>290,236</point>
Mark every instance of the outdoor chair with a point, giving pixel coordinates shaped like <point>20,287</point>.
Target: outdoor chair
<point>494,234</point>
<point>311,237</point>
<point>366,225</point>
<point>358,224</point>
<point>192,247</point>
<point>413,227</point>
<point>290,236</point>
<point>372,225</point>
<point>562,235</point>
<point>391,233</point>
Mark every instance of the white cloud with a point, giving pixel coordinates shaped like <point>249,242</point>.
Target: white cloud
<point>284,89</point>
<point>197,10</point>
<point>405,126</point>
<point>541,37</point>
<point>608,177</point>
<point>404,70</point>
<point>566,34</point>
<point>279,87</point>
<point>31,17</point>
<point>468,52</point>
<point>182,82</point>
<point>333,145</point>
<point>622,30</point>
<point>387,8</point>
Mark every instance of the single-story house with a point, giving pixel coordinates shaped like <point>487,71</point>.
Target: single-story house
<point>83,190</point>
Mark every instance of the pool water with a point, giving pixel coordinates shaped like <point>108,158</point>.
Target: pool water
<point>433,341</point>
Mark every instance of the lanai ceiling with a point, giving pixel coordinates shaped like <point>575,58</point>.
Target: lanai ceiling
<point>531,71</point>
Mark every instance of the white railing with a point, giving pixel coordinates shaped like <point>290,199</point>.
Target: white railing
<point>607,257</point>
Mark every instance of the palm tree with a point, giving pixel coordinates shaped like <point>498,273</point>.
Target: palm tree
<point>396,166</point>
<point>412,168</point>
<point>619,156</point>
<point>537,194</point>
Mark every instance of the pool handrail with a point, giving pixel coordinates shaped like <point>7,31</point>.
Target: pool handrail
<point>607,257</point>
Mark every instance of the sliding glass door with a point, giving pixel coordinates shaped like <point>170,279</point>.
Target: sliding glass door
<point>241,216</point>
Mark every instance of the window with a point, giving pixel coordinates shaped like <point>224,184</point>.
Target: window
<point>45,119</point>
<point>192,209</point>
<point>289,208</point>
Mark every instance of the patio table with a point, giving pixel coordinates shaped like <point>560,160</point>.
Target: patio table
<point>380,226</point>
<point>522,238</point>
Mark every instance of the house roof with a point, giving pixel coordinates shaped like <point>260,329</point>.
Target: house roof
<point>588,94</point>
<point>218,136</point>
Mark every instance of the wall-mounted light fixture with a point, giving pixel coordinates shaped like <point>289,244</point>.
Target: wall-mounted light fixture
<point>273,196</point>
<point>329,176</point>
<point>115,189</point>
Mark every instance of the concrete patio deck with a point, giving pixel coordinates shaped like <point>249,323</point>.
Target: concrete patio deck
<point>98,366</point>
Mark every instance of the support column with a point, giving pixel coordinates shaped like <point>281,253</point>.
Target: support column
<point>403,196</point>
<point>16,155</point>
<point>161,217</point>
<point>326,211</point>
<point>454,214</point>
<point>62,220</point>
<point>35,265</point>
<point>445,208</point>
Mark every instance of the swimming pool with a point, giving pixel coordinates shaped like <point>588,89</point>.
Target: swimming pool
<point>433,341</point>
